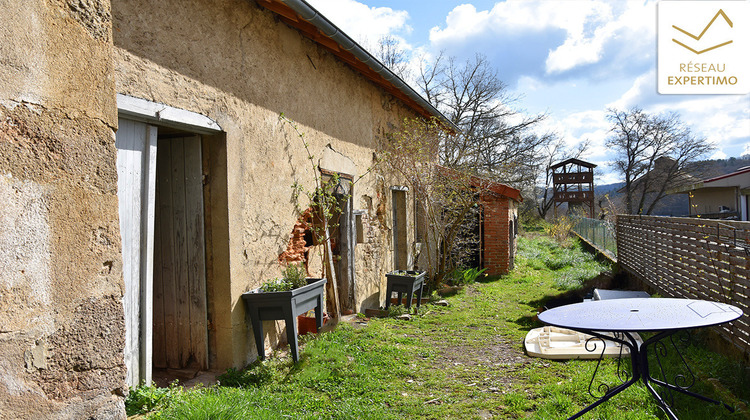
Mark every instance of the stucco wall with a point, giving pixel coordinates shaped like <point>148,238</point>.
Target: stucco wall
<point>61,322</point>
<point>233,62</point>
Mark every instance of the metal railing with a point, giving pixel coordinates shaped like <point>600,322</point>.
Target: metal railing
<point>598,233</point>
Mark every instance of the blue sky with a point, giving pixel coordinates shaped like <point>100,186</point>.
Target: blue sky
<point>570,59</point>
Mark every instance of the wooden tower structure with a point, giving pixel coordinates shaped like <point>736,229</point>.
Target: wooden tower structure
<point>573,183</point>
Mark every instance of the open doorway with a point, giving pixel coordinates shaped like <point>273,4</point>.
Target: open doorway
<point>163,227</point>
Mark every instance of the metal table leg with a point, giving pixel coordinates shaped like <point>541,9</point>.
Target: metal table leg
<point>658,341</point>
<point>640,371</point>
<point>591,345</point>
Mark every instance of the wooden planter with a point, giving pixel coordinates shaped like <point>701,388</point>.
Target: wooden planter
<point>269,306</point>
<point>405,284</point>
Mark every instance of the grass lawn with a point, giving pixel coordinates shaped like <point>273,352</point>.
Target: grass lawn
<point>462,361</point>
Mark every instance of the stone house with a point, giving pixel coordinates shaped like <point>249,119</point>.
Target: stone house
<point>146,183</point>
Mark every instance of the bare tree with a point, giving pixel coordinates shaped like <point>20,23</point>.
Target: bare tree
<point>653,152</point>
<point>390,53</point>
<point>446,199</point>
<point>495,140</point>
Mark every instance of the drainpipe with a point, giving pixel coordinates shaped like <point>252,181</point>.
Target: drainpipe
<point>311,15</point>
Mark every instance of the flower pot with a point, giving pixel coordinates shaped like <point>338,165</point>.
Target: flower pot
<point>308,324</point>
<point>287,305</point>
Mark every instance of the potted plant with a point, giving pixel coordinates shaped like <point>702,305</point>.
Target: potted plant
<point>404,282</point>
<point>284,299</point>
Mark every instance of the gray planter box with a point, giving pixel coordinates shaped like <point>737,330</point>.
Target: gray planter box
<point>269,306</point>
<point>412,281</point>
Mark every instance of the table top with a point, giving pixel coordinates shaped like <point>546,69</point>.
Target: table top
<point>640,314</point>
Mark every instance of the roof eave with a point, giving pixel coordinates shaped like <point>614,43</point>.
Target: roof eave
<point>685,189</point>
<point>341,45</point>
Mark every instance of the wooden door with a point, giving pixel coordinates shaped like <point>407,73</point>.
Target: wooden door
<point>346,240</point>
<point>400,250</point>
<point>136,174</point>
<point>180,333</point>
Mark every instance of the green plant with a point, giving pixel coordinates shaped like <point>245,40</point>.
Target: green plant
<point>276,285</point>
<point>293,277</point>
<point>397,310</point>
<point>145,398</point>
<point>406,273</point>
<point>461,276</point>
<point>256,374</point>
<point>470,275</point>
<point>295,274</point>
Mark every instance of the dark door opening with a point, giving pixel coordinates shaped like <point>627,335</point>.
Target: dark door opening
<point>400,249</point>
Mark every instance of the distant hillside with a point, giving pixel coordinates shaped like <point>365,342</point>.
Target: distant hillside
<point>608,188</point>
<point>675,204</point>
<point>711,168</point>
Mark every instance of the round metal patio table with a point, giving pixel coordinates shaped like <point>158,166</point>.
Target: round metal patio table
<point>617,319</point>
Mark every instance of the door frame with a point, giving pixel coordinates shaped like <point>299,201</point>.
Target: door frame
<point>153,114</point>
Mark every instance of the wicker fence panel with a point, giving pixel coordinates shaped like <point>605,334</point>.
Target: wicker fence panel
<point>691,258</point>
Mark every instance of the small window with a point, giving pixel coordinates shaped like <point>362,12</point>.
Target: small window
<point>359,226</point>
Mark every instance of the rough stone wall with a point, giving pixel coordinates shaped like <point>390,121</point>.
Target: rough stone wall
<point>235,63</point>
<point>61,322</point>
<point>376,247</point>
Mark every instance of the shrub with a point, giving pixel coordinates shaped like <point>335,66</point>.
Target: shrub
<point>254,375</point>
<point>145,398</point>
<point>560,228</point>
<point>462,275</point>
<point>276,285</point>
<point>295,274</point>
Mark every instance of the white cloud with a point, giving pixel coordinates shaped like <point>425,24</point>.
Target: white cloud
<point>363,23</point>
<point>644,85</point>
<point>529,84</point>
<point>746,150</point>
<point>573,33</point>
<point>719,155</point>
<point>724,120</point>
<point>579,127</point>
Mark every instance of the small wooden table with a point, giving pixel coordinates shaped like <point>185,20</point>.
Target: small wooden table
<point>616,319</point>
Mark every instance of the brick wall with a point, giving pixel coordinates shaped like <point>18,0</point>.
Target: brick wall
<point>498,215</point>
